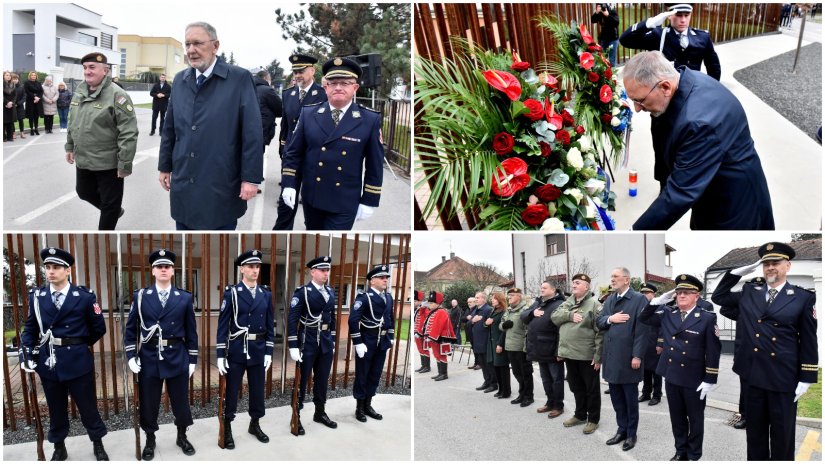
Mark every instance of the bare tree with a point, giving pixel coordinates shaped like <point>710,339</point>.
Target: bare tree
<point>484,275</point>
<point>558,274</point>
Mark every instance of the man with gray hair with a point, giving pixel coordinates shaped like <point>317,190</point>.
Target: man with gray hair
<point>705,158</point>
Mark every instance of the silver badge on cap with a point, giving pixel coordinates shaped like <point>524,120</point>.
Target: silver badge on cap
<point>383,268</point>
<point>254,252</point>
<point>326,258</point>
<point>52,251</point>
<point>162,253</point>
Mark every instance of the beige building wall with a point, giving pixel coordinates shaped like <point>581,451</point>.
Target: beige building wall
<point>150,54</point>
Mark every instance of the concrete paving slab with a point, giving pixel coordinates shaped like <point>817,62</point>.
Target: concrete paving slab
<point>385,440</point>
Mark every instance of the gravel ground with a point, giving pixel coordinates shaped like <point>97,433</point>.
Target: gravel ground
<point>796,96</point>
<point>25,433</point>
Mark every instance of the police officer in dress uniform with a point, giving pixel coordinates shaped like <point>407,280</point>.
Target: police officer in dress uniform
<point>652,384</point>
<point>778,355</point>
<point>64,320</point>
<point>312,342</point>
<point>161,343</point>
<point>305,92</point>
<point>371,329</point>
<point>421,313</point>
<point>689,363</point>
<point>245,342</point>
<point>333,146</point>
<point>680,43</point>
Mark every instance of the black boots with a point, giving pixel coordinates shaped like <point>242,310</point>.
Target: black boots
<point>60,453</point>
<point>184,444</point>
<point>369,411</point>
<point>255,429</point>
<point>359,410</point>
<point>425,365</point>
<point>100,453</point>
<point>228,439</point>
<point>149,450</point>
<point>321,417</point>
<point>442,372</point>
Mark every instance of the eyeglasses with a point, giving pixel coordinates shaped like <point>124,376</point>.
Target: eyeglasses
<point>686,292</point>
<point>196,44</point>
<point>642,101</point>
<point>340,84</point>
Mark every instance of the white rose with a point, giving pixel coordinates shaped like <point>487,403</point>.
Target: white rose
<point>552,225</point>
<point>574,158</point>
<point>575,193</point>
<point>615,111</point>
<point>615,122</point>
<point>590,211</point>
<point>585,143</point>
<point>594,186</point>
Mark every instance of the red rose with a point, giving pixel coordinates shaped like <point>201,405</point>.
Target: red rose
<point>503,143</point>
<point>608,73</point>
<point>514,178</point>
<point>606,118</point>
<point>534,215</point>
<point>545,149</point>
<point>519,65</point>
<point>588,39</point>
<point>536,109</point>
<point>548,193</point>
<point>563,137</point>
<point>504,82</point>
<point>586,60</point>
<point>567,118</point>
<point>580,130</point>
<point>592,77</point>
<point>605,94</point>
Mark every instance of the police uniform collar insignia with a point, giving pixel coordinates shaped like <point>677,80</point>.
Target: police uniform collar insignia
<point>320,110</point>
<point>292,94</point>
<point>177,293</point>
<point>356,114</point>
<point>148,292</point>
<point>314,92</point>
<point>790,291</point>
<point>76,293</point>
<point>240,287</point>
<point>162,252</point>
<point>757,288</point>
<point>52,251</point>
<point>369,293</point>
<point>696,315</point>
<point>43,293</point>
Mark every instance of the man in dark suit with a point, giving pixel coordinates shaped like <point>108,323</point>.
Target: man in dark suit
<point>778,355</point>
<point>704,153</point>
<point>210,152</point>
<point>680,43</point>
<point>481,333</point>
<point>161,343</point>
<point>305,92</point>
<point>334,146</point>
<point>625,342</point>
<point>63,316</point>
<point>652,384</point>
<point>689,363</point>
<point>160,93</point>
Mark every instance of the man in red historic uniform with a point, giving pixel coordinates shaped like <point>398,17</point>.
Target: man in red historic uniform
<point>421,313</point>
<point>438,329</point>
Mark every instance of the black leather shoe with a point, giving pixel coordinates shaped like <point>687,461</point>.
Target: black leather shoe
<point>183,443</point>
<point>654,401</point>
<point>301,430</point>
<point>255,429</point>
<point>149,450</point>
<point>476,367</point>
<point>60,453</point>
<point>644,398</point>
<point>629,444</point>
<point>526,402</point>
<point>740,424</point>
<point>321,417</point>
<point>424,370</point>
<point>607,392</point>
<point>504,396</point>
<point>498,394</point>
<point>359,411</point>
<point>100,452</point>
<point>615,439</point>
<point>679,457</point>
<point>228,439</point>
<point>517,400</point>
<point>152,133</point>
<point>491,388</point>
<point>483,386</point>
<point>369,411</point>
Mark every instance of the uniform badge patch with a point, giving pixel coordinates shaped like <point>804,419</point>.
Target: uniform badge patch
<point>292,94</point>
<point>294,302</point>
<point>121,100</point>
<point>76,293</point>
<point>790,291</point>
<point>129,107</point>
<point>314,92</point>
<point>716,330</point>
<point>177,293</point>
<point>696,315</point>
<point>97,308</point>
<point>813,313</point>
<point>320,110</point>
<point>356,114</point>
<point>356,305</point>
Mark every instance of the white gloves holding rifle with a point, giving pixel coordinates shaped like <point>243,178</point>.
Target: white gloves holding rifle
<point>295,354</point>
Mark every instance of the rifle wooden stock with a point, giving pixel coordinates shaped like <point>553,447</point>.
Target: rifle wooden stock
<point>296,385</point>
<point>136,416</point>
<point>38,423</point>
<point>221,395</point>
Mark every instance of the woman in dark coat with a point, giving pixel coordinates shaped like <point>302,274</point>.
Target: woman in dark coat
<point>34,102</point>
<point>21,101</point>
<point>495,345</point>
<point>9,107</point>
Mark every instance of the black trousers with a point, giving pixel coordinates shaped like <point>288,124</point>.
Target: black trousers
<point>487,370</point>
<point>502,374</point>
<point>21,122</point>
<point>771,430</point>
<point>743,398</point>
<point>652,385</point>
<point>318,219</point>
<point>286,215</point>
<point>83,393</point>
<point>552,378</point>
<point>687,419</point>
<point>584,383</point>
<point>234,379</point>
<point>150,390</point>
<point>319,365</point>
<point>104,190</point>
<point>33,124</point>
<point>8,131</point>
<point>155,114</point>
<point>626,405</point>
<point>523,372</point>
<point>48,122</point>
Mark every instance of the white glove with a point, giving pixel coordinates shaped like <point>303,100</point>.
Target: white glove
<point>360,350</point>
<point>223,366</point>
<point>364,212</point>
<point>704,389</point>
<point>134,365</point>
<point>295,354</point>
<point>267,361</point>
<point>801,388</point>
<point>659,19</point>
<point>29,366</point>
<point>392,341</point>
<point>664,298</point>
<point>289,197</point>
<point>745,270</point>
<point>191,369</point>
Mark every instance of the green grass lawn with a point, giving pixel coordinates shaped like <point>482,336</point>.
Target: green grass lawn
<point>405,328</point>
<point>144,105</point>
<point>40,123</point>
<point>810,405</point>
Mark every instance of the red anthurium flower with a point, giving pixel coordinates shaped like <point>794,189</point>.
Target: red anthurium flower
<point>536,110</point>
<point>549,81</point>
<point>515,177</point>
<point>588,39</point>
<point>587,61</point>
<point>606,118</point>
<point>551,115</point>
<point>519,65</point>
<point>534,215</point>
<point>605,94</point>
<point>504,82</point>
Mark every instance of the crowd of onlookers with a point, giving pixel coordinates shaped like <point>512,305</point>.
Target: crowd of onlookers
<point>29,101</point>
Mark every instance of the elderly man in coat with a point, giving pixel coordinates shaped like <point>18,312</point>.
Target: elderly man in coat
<point>625,342</point>
<point>705,156</point>
<point>210,152</point>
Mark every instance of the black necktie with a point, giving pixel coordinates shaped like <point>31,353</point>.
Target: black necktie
<point>201,78</point>
<point>683,314</point>
<point>772,295</point>
<point>302,95</point>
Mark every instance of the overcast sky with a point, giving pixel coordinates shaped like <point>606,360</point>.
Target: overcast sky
<point>695,251</point>
<point>247,28</point>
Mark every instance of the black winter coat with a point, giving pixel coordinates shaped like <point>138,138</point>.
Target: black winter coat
<point>542,341</point>
<point>33,89</point>
<point>271,107</point>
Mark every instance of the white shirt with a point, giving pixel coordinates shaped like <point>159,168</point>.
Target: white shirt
<point>319,287</point>
<point>306,89</point>
<point>778,289</point>
<point>64,291</point>
<point>208,71</point>
<point>343,110</point>
<point>687,313</point>
<point>166,289</point>
<point>623,294</point>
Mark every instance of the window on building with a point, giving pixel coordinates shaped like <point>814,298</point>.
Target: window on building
<point>554,244</point>
<point>122,63</point>
<point>106,40</point>
<point>87,39</point>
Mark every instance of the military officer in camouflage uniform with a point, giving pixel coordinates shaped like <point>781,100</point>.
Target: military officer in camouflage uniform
<point>102,139</point>
<point>245,342</point>
<point>334,146</point>
<point>371,329</point>
<point>64,320</point>
<point>778,355</point>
